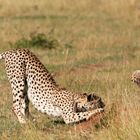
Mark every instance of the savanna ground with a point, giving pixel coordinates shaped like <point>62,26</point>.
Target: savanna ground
<point>99,48</point>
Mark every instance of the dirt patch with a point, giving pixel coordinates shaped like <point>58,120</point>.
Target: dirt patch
<point>76,128</point>
<point>79,69</point>
<point>87,67</point>
<point>86,125</point>
<point>93,66</point>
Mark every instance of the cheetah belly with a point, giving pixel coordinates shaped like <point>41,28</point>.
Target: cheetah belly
<point>44,106</point>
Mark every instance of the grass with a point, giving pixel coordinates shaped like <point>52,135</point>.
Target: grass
<point>104,36</point>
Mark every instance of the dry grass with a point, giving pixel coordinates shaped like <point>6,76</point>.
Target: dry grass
<point>106,50</point>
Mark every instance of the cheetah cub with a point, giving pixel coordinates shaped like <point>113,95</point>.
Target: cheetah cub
<point>31,81</point>
<point>136,77</point>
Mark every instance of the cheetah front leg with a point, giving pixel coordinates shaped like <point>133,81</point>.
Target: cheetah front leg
<point>76,117</point>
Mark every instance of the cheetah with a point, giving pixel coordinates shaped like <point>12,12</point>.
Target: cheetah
<point>31,82</point>
<point>136,77</point>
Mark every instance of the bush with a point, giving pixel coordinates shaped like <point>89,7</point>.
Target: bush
<point>37,40</point>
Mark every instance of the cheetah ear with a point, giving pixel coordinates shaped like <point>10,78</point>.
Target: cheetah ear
<point>90,97</point>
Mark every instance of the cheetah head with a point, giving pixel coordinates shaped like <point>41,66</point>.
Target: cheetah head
<point>136,77</point>
<point>89,102</point>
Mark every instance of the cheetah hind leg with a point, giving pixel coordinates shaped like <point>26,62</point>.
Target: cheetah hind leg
<point>17,100</point>
<point>20,99</point>
<point>25,105</point>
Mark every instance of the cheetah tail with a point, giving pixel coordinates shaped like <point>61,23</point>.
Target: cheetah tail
<point>2,55</point>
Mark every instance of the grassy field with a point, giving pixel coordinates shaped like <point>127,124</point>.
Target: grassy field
<point>99,48</point>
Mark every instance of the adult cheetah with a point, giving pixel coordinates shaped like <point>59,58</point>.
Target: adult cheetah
<point>31,81</point>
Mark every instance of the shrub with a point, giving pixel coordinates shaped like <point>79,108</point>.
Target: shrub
<point>37,40</point>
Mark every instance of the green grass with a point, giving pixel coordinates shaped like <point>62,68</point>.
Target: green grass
<point>99,49</point>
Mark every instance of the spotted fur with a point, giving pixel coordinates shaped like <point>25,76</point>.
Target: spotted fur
<point>31,81</point>
<point>136,77</point>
